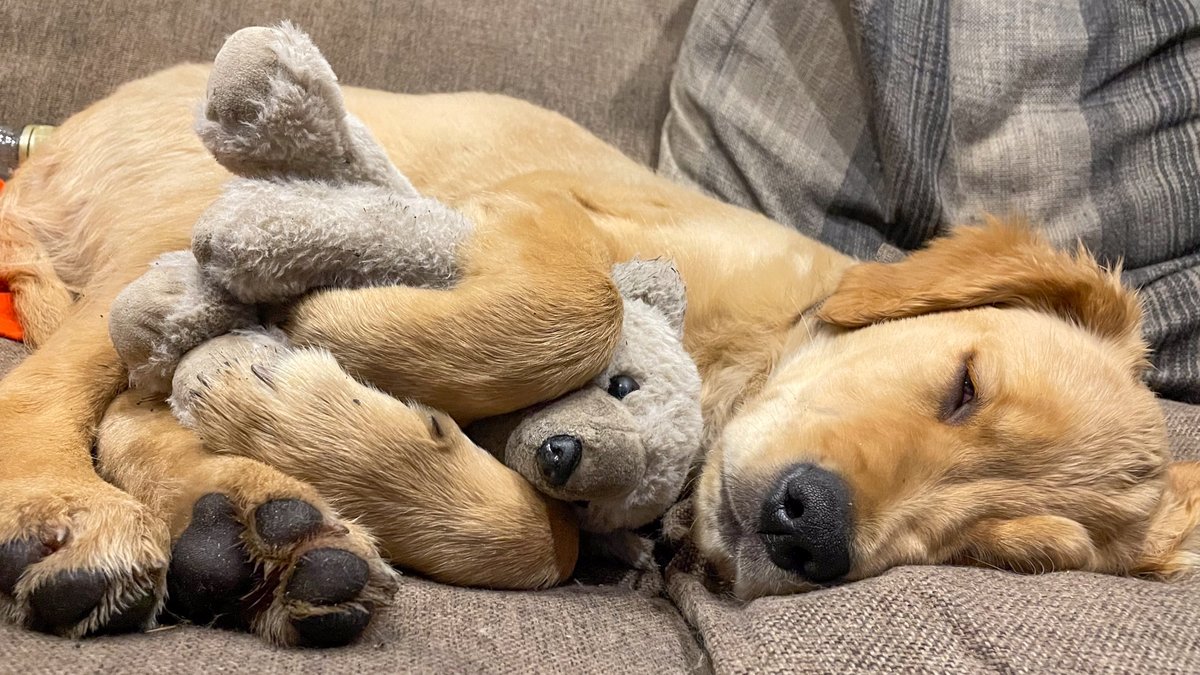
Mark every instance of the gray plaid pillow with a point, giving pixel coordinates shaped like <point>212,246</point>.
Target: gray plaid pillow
<point>873,125</point>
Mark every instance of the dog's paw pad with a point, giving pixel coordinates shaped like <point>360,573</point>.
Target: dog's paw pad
<point>328,576</point>
<point>285,521</point>
<point>334,629</point>
<point>210,569</point>
<point>65,600</point>
<point>134,615</point>
<point>17,555</point>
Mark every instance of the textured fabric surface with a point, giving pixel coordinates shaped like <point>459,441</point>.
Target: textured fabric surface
<point>605,64</point>
<point>1183,423</point>
<point>429,629</point>
<point>954,620</point>
<point>11,354</point>
<point>875,125</point>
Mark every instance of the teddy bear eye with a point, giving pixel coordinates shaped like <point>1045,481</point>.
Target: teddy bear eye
<point>621,386</point>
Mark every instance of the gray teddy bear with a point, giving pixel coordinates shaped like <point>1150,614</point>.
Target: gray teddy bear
<point>621,449</point>
<point>315,202</point>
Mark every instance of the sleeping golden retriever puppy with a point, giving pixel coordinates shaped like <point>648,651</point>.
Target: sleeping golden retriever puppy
<point>979,402</point>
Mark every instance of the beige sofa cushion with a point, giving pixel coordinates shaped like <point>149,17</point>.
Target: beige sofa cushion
<point>604,64</point>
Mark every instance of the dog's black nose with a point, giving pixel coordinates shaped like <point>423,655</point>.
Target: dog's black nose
<point>557,458</point>
<point>806,524</point>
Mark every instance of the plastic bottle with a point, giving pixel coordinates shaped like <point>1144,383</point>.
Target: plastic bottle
<point>17,146</point>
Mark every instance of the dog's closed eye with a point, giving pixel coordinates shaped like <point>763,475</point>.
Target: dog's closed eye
<point>960,402</point>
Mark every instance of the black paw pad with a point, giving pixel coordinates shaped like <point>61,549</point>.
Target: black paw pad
<point>15,556</point>
<point>56,606</point>
<point>328,576</point>
<point>284,521</point>
<point>133,616</point>
<point>335,629</point>
<point>210,570</point>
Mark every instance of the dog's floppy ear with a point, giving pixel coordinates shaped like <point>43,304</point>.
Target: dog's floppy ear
<point>1173,539</point>
<point>1002,263</point>
<point>656,283</point>
<point>1030,544</point>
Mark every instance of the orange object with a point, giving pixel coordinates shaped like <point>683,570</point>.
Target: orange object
<point>9,326</point>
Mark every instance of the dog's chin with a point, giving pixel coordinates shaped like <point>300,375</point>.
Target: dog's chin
<point>755,576</point>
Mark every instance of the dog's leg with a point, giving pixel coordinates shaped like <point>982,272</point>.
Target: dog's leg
<point>77,555</point>
<point>41,298</point>
<point>437,503</point>
<point>536,315</point>
<point>253,548</point>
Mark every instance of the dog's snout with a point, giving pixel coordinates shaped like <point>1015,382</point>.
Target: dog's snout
<point>557,458</point>
<point>806,523</point>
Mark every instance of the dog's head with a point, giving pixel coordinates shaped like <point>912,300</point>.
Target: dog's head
<point>980,403</point>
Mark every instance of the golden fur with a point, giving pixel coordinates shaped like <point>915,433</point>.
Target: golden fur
<point>1062,464</point>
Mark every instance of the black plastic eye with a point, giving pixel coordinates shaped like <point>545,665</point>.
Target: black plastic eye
<point>621,386</point>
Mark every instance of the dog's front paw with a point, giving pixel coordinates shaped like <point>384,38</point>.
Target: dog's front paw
<point>79,559</point>
<point>165,313</point>
<point>277,565</point>
<point>204,366</point>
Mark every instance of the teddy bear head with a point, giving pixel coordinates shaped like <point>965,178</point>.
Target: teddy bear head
<point>621,448</point>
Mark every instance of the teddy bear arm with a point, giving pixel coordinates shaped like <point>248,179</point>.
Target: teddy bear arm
<point>268,242</point>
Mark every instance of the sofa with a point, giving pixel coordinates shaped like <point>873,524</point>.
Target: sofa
<point>657,79</point>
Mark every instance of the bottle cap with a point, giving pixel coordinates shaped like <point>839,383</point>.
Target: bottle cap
<point>32,136</point>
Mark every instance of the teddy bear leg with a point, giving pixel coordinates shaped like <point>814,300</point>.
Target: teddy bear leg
<point>164,313</point>
<point>437,503</point>
<point>274,108</point>
<point>252,548</point>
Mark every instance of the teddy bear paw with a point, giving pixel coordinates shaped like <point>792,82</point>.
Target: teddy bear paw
<point>165,313</point>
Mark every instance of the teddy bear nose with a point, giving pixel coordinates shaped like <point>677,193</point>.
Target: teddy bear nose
<point>557,458</point>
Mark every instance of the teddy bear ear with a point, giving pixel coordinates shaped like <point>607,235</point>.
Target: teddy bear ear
<point>656,283</point>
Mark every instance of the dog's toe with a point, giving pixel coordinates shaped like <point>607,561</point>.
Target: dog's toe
<point>210,569</point>
<point>15,556</point>
<point>328,576</point>
<point>334,629</point>
<point>281,522</point>
<point>80,559</point>
<point>65,600</point>
<point>134,615</point>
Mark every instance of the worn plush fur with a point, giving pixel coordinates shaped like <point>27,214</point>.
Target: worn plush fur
<point>1061,461</point>
<point>637,451</point>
